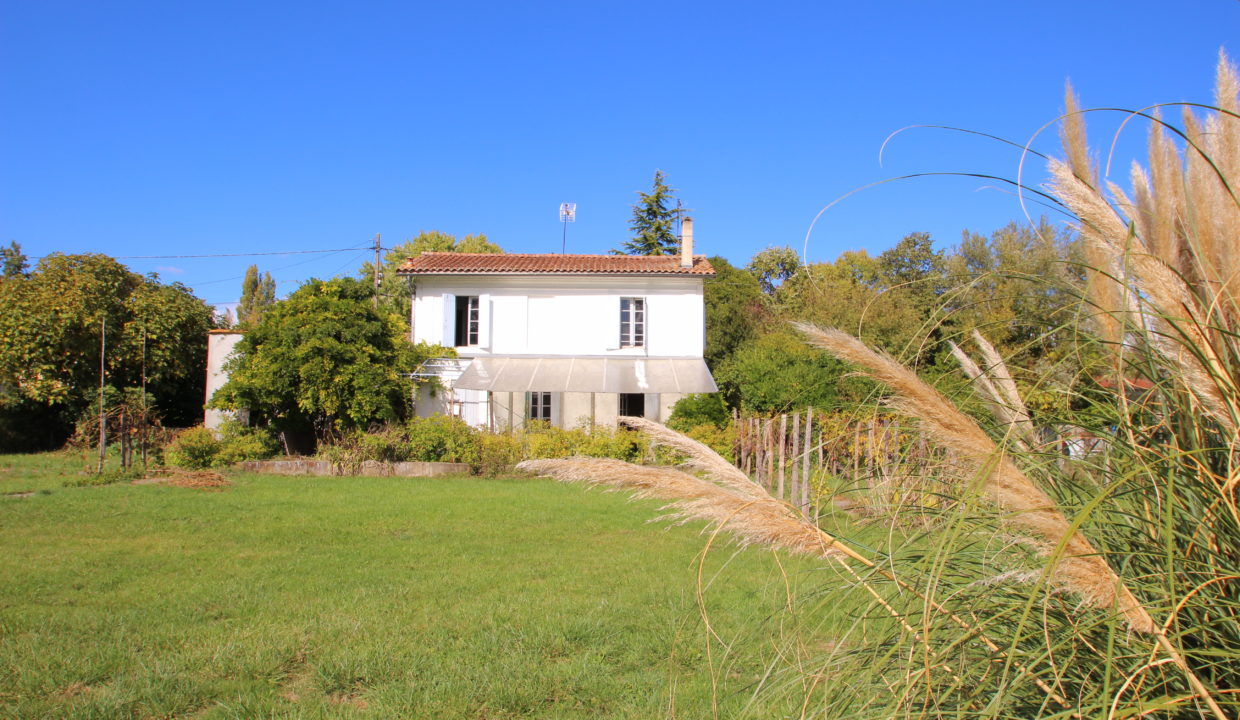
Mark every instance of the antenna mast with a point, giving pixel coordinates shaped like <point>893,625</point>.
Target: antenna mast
<point>568,213</point>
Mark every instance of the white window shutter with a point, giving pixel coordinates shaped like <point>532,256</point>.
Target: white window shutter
<point>449,320</point>
<point>484,321</point>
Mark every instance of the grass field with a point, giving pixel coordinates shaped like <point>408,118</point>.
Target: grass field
<point>378,597</point>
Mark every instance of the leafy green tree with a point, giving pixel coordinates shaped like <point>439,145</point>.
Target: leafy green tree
<point>257,294</point>
<point>779,372</point>
<point>774,265</point>
<point>396,293</point>
<point>846,295</point>
<point>50,343</point>
<point>14,260</point>
<point>653,222</point>
<point>321,361</point>
<point>734,308</point>
<point>1020,287</point>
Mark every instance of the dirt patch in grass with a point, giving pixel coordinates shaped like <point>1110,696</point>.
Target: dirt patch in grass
<point>352,698</point>
<point>195,479</point>
<point>70,691</point>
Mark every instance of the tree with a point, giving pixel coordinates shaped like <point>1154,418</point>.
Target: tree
<point>734,304</point>
<point>396,293</point>
<point>778,372</point>
<point>652,222</point>
<point>257,294</point>
<point>914,264</point>
<point>50,343</point>
<point>845,294</point>
<point>774,265</point>
<point>15,262</point>
<point>323,360</point>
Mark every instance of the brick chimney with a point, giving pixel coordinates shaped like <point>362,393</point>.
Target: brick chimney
<point>686,242</point>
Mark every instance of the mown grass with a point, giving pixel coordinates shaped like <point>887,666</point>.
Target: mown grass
<point>378,597</point>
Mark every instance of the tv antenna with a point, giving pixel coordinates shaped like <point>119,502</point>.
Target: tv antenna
<point>568,213</point>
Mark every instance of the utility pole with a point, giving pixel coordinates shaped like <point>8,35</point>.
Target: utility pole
<point>103,420</point>
<point>377,248</point>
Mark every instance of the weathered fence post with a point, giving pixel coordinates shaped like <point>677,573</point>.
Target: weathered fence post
<point>796,449</point>
<point>805,479</point>
<point>783,450</point>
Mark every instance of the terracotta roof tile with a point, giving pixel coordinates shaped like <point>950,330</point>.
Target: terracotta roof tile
<point>442,263</point>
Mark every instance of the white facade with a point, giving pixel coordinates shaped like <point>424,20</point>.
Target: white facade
<point>220,346</point>
<point>563,316</point>
<point>535,321</point>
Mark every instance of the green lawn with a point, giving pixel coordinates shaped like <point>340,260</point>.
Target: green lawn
<point>379,597</point>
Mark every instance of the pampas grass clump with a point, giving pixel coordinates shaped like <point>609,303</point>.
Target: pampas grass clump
<point>1103,585</point>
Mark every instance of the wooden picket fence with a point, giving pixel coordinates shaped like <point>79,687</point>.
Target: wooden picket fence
<point>810,457</point>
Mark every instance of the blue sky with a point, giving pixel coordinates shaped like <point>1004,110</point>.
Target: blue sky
<point>155,128</point>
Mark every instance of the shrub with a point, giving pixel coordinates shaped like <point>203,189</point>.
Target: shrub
<point>545,441</point>
<point>497,453</point>
<point>238,443</point>
<point>720,439</point>
<point>441,438</point>
<point>389,444</point>
<point>199,448</point>
<point>617,443</point>
<point>701,409</point>
<point>193,449</point>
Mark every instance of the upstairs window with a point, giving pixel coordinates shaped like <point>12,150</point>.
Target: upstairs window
<point>632,322</point>
<point>467,321</point>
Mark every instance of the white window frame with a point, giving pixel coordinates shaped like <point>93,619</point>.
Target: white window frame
<point>540,406</point>
<point>633,322</point>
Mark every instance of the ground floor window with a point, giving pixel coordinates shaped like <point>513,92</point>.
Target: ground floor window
<point>633,404</point>
<point>538,406</point>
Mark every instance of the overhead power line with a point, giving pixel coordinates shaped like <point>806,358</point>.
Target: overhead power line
<point>220,255</point>
<point>252,254</point>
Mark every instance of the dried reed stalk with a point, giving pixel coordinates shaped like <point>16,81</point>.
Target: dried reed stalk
<point>749,512</point>
<point>996,387</point>
<point>700,457</point>
<point>1178,246</point>
<point>1077,566</point>
<point>755,518</point>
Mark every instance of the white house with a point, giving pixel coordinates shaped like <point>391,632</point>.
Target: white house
<point>220,347</point>
<point>562,338</point>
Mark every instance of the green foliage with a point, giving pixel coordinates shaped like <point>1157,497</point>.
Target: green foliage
<point>848,294</point>
<point>498,452</point>
<point>772,266</point>
<point>257,294</point>
<point>441,438</point>
<point>199,448</point>
<point>699,409</point>
<point>238,443</point>
<point>778,372</point>
<point>194,449</point>
<point>653,222</point>
<point>50,340</point>
<point>395,292</point>
<point>734,303</point>
<point>14,261</point>
<point>720,438</point>
<point>323,360</point>
<point>545,441</point>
